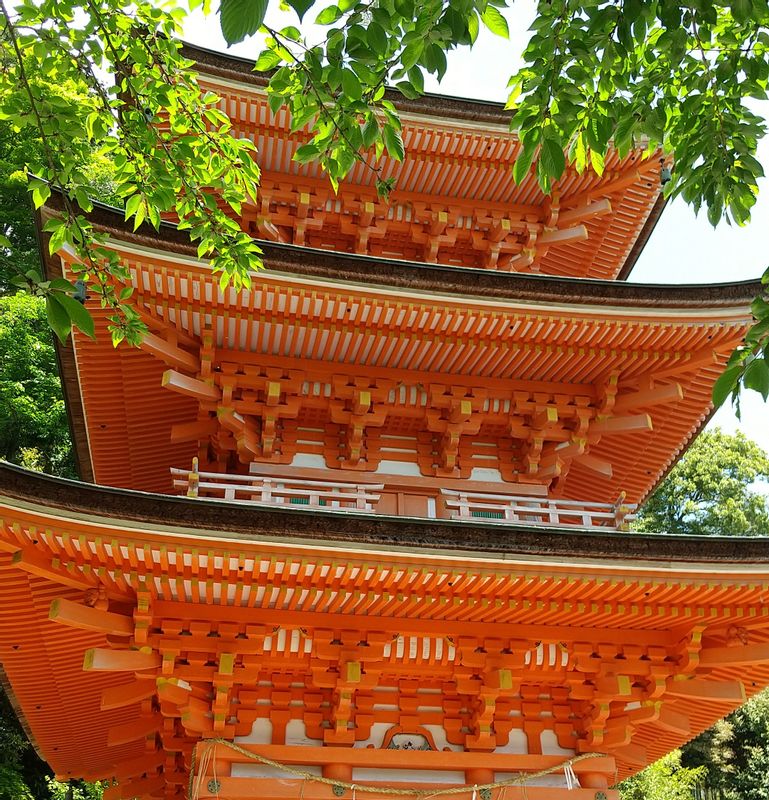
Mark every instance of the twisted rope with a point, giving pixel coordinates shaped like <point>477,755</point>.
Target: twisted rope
<point>207,756</point>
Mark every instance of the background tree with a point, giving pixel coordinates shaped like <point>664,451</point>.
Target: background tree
<point>713,490</point>
<point>666,779</point>
<point>34,431</point>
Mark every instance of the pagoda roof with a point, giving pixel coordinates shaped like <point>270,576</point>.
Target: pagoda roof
<point>564,335</point>
<point>203,559</point>
<point>455,199</point>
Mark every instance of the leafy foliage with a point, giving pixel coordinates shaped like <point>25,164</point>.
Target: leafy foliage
<point>734,754</point>
<point>33,421</point>
<point>664,780</point>
<point>23,775</point>
<point>709,490</point>
<point>171,147</point>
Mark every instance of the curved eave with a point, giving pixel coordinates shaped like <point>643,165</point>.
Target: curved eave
<point>459,281</point>
<point>208,519</point>
<point>241,70</point>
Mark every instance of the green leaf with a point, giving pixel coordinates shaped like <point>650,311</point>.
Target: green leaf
<point>473,26</point>
<point>393,142</point>
<point>370,131</point>
<point>377,39</point>
<point>552,158</point>
<point>58,318</point>
<point>305,153</point>
<point>301,7</point>
<point>523,164</point>
<point>351,85</point>
<point>596,159</point>
<point>77,313</point>
<point>495,22</point>
<point>407,90</point>
<point>267,60</point>
<point>241,18</point>
<point>726,384</point>
<point>757,377</point>
<point>329,15</point>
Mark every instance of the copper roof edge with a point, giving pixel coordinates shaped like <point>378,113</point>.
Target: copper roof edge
<point>231,67</point>
<point>446,279</point>
<point>199,514</point>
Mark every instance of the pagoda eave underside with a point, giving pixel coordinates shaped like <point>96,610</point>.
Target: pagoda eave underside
<point>665,644</point>
<point>509,347</point>
<point>455,200</point>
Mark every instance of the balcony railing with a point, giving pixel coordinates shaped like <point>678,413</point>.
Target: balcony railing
<point>411,499</point>
<point>537,511</point>
<point>267,490</point>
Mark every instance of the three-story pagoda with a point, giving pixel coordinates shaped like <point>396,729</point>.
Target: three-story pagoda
<point>365,522</point>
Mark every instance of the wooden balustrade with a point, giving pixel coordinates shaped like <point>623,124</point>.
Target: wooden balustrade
<point>363,497</point>
<point>537,511</point>
<point>271,490</point>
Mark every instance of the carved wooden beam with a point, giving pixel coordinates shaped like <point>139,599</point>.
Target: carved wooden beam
<point>193,431</point>
<point>192,387</point>
<point>584,212</point>
<point>77,615</point>
<point>169,353</point>
<point>100,659</point>
<point>667,393</point>
<point>627,424</point>
<point>127,694</point>
<point>707,691</point>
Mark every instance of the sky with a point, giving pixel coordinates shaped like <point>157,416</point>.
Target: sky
<point>684,248</point>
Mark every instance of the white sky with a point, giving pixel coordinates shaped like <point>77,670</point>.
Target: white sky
<point>682,249</point>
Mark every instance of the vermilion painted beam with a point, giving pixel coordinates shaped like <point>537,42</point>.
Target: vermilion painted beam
<point>51,569</point>
<point>193,431</point>
<point>303,619</point>
<point>103,659</point>
<point>738,656</point>
<point>563,235</point>
<point>77,615</point>
<point>597,465</point>
<point>127,694</point>
<point>192,387</point>
<point>628,424</point>
<point>674,721</point>
<point>707,691</point>
<point>132,731</point>
<point>366,757</point>
<point>670,393</point>
<point>169,353</point>
<point>271,789</point>
<point>587,211</point>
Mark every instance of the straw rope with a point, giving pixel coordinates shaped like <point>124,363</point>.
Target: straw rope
<point>207,758</point>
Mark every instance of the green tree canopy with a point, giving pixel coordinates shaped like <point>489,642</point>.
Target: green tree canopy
<point>33,422</point>
<point>711,490</point>
<point>666,779</point>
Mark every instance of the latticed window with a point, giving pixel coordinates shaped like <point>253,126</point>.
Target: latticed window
<point>488,514</point>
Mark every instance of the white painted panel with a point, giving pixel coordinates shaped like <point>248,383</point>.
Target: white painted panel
<point>399,468</point>
<point>550,746</point>
<point>296,734</point>
<point>517,743</point>
<point>376,737</point>
<point>408,776</point>
<point>308,460</point>
<point>485,474</point>
<point>261,733</point>
<point>253,770</point>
